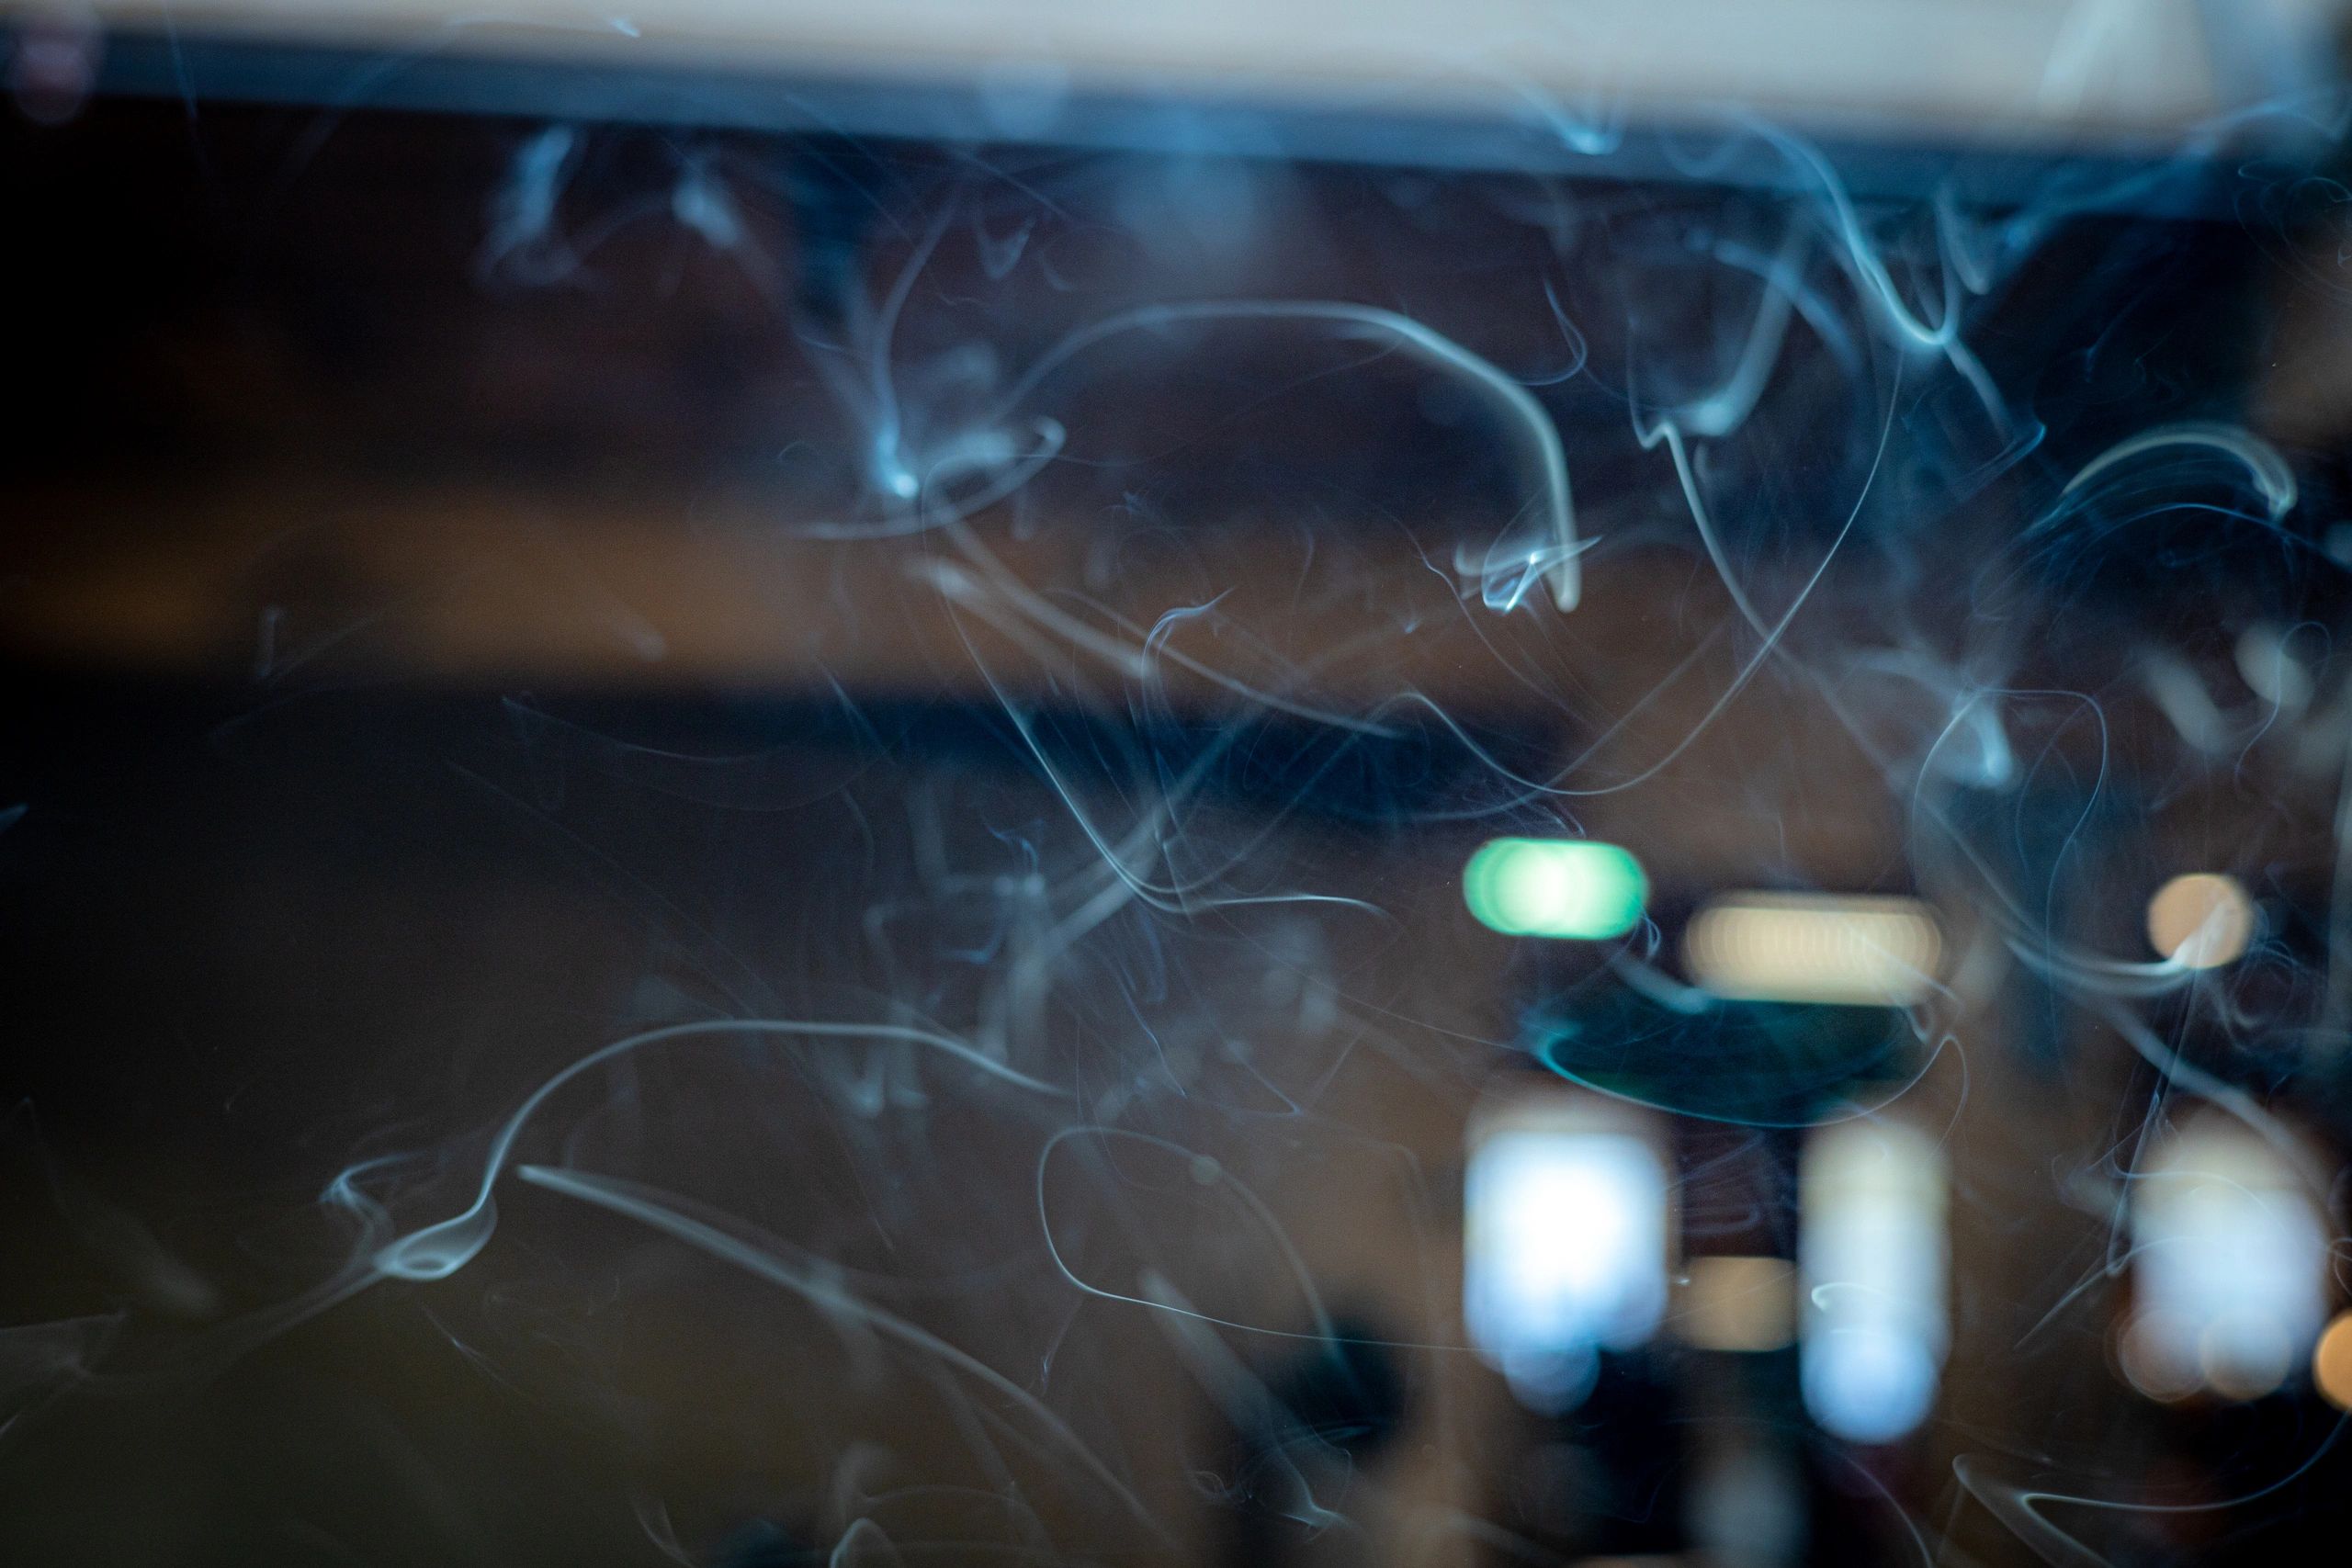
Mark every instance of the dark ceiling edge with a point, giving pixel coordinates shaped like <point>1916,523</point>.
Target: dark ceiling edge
<point>2174,179</point>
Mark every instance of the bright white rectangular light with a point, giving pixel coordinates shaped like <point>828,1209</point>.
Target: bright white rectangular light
<point>2229,1265</point>
<point>1812,947</point>
<point>1873,1255</point>
<point>1564,1243</point>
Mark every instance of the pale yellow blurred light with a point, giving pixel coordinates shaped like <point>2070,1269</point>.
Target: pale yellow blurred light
<point>1739,1303</point>
<point>2201,920</point>
<point>2145,1351</point>
<point>2332,1362</point>
<point>2245,1360</point>
<point>1811,947</point>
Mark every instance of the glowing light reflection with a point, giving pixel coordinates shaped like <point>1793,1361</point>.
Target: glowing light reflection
<point>1793,947</point>
<point>2201,920</point>
<point>1565,1244</point>
<point>2332,1362</point>
<point>1874,1255</point>
<point>1555,887</point>
<point>1737,1303</point>
<point>2229,1266</point>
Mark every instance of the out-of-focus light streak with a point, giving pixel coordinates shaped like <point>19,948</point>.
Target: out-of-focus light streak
<point>1874,1255</point>
<point>2201,920</point>
<point>2025,73</point>
<point>1791,947</point>
<point>1564,1247</point>
<point>1555,887</point>
<point>2229,1266</point>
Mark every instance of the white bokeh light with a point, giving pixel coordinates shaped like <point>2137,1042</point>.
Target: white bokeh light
<point>1874,1257</point>
<point>1565,1244</point>
<point>2229,1265</point>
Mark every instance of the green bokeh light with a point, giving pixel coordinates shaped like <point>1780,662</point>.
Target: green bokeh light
<point>1563,887</point>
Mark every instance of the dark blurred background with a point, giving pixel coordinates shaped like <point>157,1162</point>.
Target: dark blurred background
<point>984,601</point>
